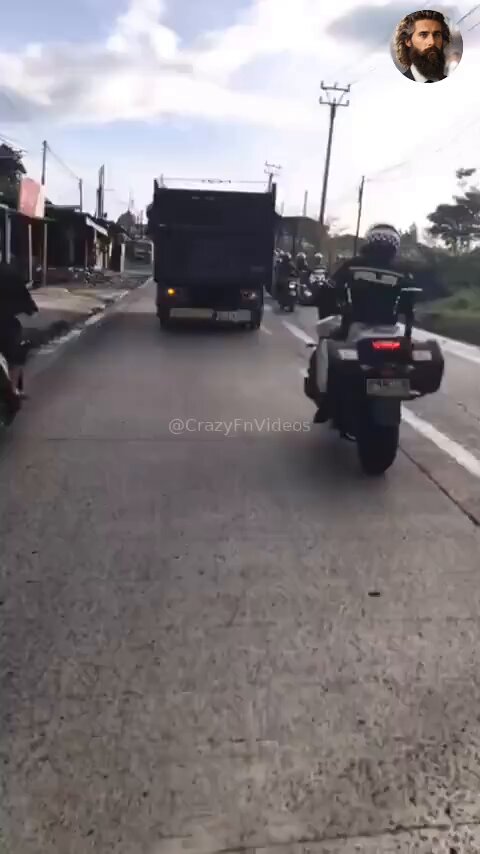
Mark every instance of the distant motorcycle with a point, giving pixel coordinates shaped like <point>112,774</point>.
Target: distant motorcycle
<point>287,295</point>
<point>367,376</point>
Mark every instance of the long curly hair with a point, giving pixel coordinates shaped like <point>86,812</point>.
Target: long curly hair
<point>406,28</point>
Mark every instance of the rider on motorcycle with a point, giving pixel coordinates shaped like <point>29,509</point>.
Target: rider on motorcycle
<point>368,290</point>
<point>301,263</point>
<point>286,271</point>
<point>15,299</point>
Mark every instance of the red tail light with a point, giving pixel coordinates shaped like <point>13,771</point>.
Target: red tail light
<point>386,345</point>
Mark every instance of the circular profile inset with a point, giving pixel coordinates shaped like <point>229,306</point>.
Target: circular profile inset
<point>426,46</point>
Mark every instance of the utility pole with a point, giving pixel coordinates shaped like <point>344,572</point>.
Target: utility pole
<point>360,203</point>
<point>101,192</point>
<point>272,171</point>
<point>305,203</point>
<point>80,190</point>
<point>45,225</point>
<point>333,103</point>
<point>44,161</point>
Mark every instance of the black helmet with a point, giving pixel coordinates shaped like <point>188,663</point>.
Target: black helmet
<point>384,235</point>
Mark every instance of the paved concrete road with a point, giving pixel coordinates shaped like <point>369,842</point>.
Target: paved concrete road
<point>218,642</point>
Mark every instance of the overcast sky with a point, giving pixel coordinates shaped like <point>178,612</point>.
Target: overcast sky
<point>213,88</point>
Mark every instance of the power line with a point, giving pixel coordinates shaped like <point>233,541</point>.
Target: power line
<point>62,163</point>
<point>467,14</point>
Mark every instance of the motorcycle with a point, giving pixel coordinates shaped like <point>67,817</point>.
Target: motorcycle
<point>287,295</point>
<point>367,377</point>
<point>7,413</point>
<point>309,287</point>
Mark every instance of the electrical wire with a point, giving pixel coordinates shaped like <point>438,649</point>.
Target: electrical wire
<point>62,163</point>
<point>444,146</point>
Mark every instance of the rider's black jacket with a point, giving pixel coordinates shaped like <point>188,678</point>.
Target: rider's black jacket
<point>369,289</point>
<point>15,298</point>
<point>286,270</point>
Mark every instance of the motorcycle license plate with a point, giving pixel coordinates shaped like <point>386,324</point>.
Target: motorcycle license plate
<point>388,388</point>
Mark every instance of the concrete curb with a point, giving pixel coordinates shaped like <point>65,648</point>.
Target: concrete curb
<point>39,337</point>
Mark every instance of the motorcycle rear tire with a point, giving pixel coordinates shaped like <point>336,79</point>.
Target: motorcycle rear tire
<point>377,447</point>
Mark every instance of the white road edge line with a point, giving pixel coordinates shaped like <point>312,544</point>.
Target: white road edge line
<point>453,449</point>
<point>95,318</point>
<point>456,348</point>
<point>267,331</point>
<point>299,333</point>
<point>58,343</point>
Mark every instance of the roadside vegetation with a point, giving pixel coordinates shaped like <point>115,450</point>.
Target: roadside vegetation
<point>446,262</point>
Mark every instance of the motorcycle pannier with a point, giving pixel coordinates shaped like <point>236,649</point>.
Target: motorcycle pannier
<point>429,366</point>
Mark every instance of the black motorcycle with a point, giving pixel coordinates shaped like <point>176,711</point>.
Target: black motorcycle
<point>306,295</point>
<point>287,295</point>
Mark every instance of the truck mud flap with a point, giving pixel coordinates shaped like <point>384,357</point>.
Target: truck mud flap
<point>385,413</point>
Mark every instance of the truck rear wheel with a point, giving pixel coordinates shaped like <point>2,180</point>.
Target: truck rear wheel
<point>164,318</point>
<point>256,321</point>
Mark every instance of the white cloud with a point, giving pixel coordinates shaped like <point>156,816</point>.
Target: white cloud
<point>264,71</point>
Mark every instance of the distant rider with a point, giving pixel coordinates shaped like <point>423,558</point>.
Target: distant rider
<point>286,271</point>
<point>303,269</point>
<point>368,290</point>
<point>318,262</point>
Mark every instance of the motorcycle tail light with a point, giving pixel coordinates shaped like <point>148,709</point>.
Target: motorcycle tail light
<point>386,346</point>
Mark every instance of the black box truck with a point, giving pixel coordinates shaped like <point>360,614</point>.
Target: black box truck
<point>213,253</point>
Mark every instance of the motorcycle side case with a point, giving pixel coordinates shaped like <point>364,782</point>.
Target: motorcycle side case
<point>426,377</point>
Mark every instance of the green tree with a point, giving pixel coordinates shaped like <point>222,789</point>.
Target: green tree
<point>457,225</point>
<point>11,172</point>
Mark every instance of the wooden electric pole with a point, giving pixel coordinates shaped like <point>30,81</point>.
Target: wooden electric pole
<point>272,171</point>
<point>305,204</point>
<point>360,204</point>
<point>333,103</point>
<point>80,190</point>
<point>45,226</point>
<point>101,193</point>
